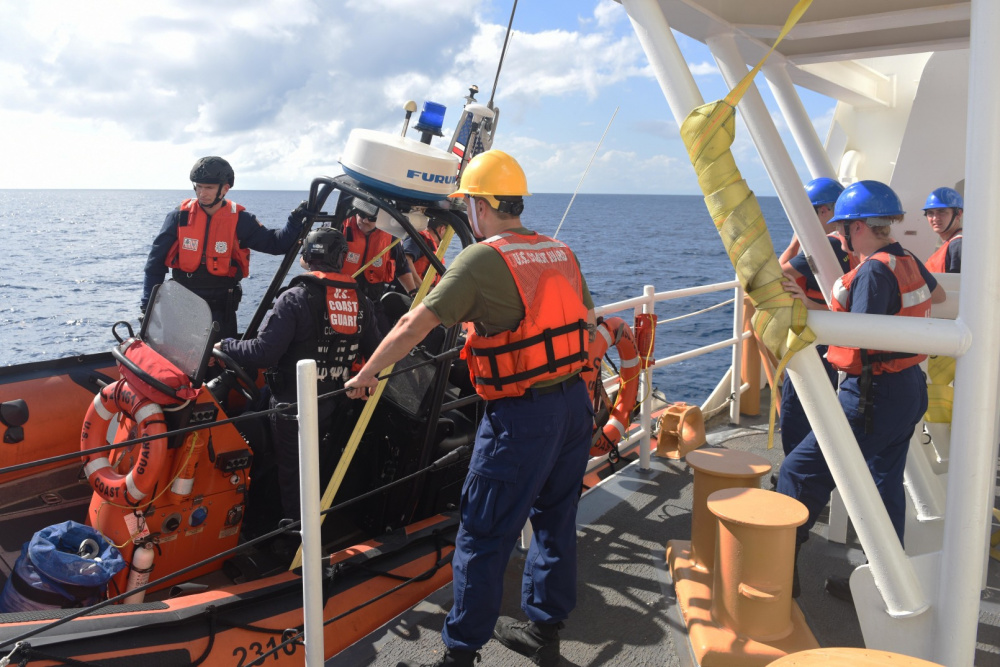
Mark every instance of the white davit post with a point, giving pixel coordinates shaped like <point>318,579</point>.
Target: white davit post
<point>309,497</point>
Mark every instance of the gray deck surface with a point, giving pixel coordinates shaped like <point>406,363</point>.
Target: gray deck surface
<point>626,613</point>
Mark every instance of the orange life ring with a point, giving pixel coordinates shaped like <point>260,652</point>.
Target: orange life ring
<point>140,481</point>
<point>614,331</point>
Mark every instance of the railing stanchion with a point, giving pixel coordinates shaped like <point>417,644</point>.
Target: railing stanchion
<point>737,377</point>
<point>309,500</point>
<point>646,388</point>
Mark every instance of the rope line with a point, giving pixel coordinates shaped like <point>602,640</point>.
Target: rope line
<point>697,312</point>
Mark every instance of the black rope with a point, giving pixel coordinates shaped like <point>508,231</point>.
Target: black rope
<point>447,459</point>
<point>29,654</point>
<point>211,637</point>
<point>280,407</point>
<point>503,52</point>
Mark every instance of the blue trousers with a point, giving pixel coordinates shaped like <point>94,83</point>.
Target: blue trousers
<point>900,401</point>
<point>793,422</point>
<point>527,463</point>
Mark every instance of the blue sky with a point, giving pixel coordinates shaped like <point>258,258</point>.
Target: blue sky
<point>122,94</point>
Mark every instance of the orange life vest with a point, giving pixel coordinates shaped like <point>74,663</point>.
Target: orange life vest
<point>361,248</point>
<point>213,244</point>
<point>936,262</point>
<point>421,263</point>
<point>552,339</point>
<point>915,301</point>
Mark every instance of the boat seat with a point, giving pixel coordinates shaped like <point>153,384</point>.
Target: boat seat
<point>460,431</point>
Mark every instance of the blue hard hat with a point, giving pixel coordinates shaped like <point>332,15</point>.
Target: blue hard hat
<point>823,191</point>
<point>866,199</point>
<point>944,198</point>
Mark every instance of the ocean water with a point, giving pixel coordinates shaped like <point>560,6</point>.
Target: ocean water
<point>71,265</point>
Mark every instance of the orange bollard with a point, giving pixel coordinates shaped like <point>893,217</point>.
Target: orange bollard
<point>716,469</point>
<point>718,624</point>
<point>752,583</point>
<point>681,430</point>
<point>856,657</point>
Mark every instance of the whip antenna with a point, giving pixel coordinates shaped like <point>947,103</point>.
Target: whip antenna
<point>585,171</point>
<point>503,52</point>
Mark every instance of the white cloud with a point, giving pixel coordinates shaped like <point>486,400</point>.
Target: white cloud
<point>608,12</point>
<point>277,85</point>
<point>703,68</point>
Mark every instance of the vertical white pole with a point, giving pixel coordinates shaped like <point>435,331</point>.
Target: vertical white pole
<point>779,166</point>
<point>972,463</point>
<point>817,161</point>
<point>309,501</point>
<point>646,391</point>
<point>736,381</point>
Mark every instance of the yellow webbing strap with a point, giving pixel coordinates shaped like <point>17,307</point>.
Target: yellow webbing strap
<point>390,247</point>
<point>359,429</point>
<point>940,393</point>
<point>708,132</point>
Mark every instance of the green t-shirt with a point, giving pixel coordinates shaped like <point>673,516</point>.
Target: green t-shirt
<point>478,287</point>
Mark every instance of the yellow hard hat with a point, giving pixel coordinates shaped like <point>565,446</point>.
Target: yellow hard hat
<point>492,174</point>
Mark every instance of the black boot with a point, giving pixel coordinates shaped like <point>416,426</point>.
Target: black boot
<point>538,641</point>
<point>452,657</point>
<point>840,588</point>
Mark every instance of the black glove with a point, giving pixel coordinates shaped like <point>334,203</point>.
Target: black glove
<point>298,216</point>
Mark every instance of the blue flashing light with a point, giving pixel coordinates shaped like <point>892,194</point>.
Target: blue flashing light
<point>198,517</point>
<point>431,118</point>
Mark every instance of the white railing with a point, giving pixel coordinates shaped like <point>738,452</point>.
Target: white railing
<point>645,304</point>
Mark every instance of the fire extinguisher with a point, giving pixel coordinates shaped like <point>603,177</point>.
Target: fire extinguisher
<point>142,565</point>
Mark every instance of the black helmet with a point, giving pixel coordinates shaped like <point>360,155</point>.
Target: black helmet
<point>213,169</point>
<point>324,248</point>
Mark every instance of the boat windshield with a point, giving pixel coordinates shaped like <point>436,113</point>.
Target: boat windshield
<point>178,325</point>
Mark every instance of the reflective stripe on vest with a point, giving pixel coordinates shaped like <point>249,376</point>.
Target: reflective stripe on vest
<point>915,301</point>
<point>551,341</point>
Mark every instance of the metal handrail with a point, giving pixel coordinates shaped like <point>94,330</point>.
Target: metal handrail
<point>641,438</point>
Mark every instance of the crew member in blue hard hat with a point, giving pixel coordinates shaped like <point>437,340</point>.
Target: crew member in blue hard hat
<point>206,243</point>
<point>823,193</point>
<point>321,315</point>
<point>884,394</point>
<point>532,320</point>
<point>943,210</point>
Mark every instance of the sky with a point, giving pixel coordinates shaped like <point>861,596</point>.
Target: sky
<point>126,95</point>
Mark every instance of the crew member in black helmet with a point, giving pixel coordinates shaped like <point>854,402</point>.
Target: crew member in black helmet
<point>321,315</point>
<point>206,242</point>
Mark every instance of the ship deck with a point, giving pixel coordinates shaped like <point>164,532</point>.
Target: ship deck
<point>627,613</point>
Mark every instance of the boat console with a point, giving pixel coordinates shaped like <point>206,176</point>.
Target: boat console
<point>198,501</point>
